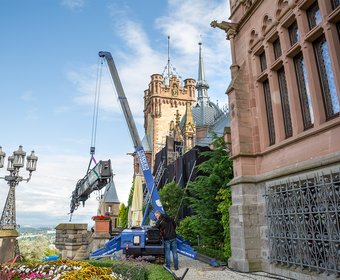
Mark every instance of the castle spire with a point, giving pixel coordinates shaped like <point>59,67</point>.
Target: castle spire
<point>201,85</point>
<point>169,70</point>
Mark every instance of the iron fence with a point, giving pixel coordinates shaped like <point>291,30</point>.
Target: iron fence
<point>303,222</point>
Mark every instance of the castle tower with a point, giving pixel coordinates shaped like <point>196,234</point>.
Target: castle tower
<point>164,98</point>
<point>109,203</point>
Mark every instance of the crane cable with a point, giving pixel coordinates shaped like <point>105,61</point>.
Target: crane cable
<point>95,112</point>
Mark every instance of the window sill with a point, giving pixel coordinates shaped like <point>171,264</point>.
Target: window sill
<point>313,34</point>
<point>294,50</point>
<point>276,65</point>
<point>334,16</point>
<point>262,77</point>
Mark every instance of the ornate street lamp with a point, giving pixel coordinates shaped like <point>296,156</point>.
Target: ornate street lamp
<point>15,162</point>
<point>9,248</point>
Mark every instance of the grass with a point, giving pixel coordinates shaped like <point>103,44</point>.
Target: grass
<point>153,271</point>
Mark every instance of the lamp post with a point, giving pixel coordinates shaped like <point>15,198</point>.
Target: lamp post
<point>8,218</point>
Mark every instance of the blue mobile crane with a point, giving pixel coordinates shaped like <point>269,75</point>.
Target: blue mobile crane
<point>143,240</point>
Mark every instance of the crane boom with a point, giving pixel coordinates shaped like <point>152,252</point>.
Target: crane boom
<point>97,178</point>
<point>122,99</point>
<point>143,240</point>
<point>139,150</point>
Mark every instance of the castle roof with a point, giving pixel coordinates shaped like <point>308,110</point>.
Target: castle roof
<point>110,194</point>
<point>206,113</point>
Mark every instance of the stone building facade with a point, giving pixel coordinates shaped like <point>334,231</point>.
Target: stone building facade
<point>163,101</point>
<point>285,131</point>
<point>173,111</point>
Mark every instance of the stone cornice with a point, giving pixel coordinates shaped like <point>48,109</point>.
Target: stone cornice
<point>315,163</point>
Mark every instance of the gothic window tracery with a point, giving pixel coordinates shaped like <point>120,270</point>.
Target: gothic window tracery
<point>265,24</point>
<point>253,38</point>
<point>281,6</point>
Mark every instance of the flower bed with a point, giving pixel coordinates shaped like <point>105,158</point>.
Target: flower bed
<point>84,270</point>
<point>62,269</point>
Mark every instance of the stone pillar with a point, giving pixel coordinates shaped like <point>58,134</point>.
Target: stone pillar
<point>97,240</point>
<point>245,219</point>
<point>72,241</point>
<point>7,244</point>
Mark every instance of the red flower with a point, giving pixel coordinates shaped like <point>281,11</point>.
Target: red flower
<point>100,217</point>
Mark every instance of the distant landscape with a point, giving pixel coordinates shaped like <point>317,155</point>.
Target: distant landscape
<point>37,242</point>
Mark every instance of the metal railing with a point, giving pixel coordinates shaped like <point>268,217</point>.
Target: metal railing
<point>303,222</point>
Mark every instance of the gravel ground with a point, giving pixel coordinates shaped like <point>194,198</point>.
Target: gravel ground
<point>199,270</point>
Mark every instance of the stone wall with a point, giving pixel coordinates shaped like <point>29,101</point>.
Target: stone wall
<point>72,241</point>
<point>7,244</point>
<point>75,242</point>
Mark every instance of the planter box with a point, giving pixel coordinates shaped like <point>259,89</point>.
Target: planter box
<point>102,226</point>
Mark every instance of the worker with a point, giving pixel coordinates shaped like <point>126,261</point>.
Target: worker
<point>167,228</point>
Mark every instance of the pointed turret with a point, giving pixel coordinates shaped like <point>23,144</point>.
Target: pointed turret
<point>201,85</point>
<point>189,129</point>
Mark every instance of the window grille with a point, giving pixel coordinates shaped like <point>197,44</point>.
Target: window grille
<point>277,48</point>
<point>304,94</point>
<point>314,15</point>
<point>285,102</point>
<point>303,222</point>
<point>269,111</point>
<point>294,34</point>
<point>331,100</point>
<point>263,61</point>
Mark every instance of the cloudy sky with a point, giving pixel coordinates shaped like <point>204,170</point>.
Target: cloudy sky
<point>48,67</point>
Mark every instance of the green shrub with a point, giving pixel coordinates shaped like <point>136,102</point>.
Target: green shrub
<point>188,229</point>
<point>100,263</point>
<point>215,253</point>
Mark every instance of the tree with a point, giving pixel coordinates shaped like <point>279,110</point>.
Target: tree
<point>171,195</point>
<point>123,216</point>
<point>34,248</point>
<point>205,195</point>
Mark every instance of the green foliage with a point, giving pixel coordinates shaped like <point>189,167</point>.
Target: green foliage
<point>100,263</point>
<point>35,248</point>
<point>218,254</point>
<point>209,197</point>
<point>188,229</point>
<point>156,272</point>
<point>224,195</point>
<point>171,195</point>
<point>50,252</point>
<point>131,195</point>
<point>123,216</point>
<point>153,271</point>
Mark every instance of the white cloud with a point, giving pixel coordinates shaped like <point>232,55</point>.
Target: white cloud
<point>47,195</point>
<point>187,22</point>
<point>73,4</point>
<point>28,96</point>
